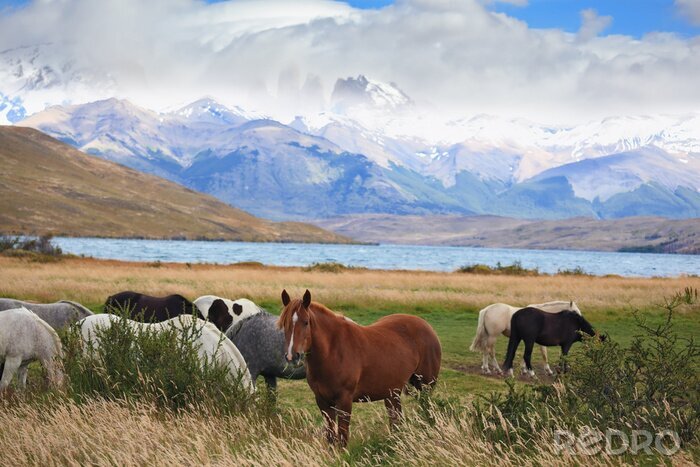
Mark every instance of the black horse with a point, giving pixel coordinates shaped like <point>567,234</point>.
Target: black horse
<point>533,325</point>
<point>146,308</point>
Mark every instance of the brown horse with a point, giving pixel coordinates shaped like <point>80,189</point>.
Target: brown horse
<point>347,363</point>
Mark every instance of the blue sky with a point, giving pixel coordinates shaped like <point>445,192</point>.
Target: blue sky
<point>629,17</point>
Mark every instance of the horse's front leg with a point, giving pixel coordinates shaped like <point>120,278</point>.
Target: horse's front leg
<point>271,382</point>
<point>545,358</point>
<point>564,352</point>
<point>393,407</point>
<point>528,357</point>
<point>344,410</point>
<point>22,376</point>
<point>329,415</point>
<point>12,364</point>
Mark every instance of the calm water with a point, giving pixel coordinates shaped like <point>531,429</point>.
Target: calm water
<point>431,258</point>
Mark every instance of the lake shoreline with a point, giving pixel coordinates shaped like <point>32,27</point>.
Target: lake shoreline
<point>512,269</point>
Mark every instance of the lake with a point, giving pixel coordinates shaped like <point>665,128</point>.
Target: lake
<point>429,258</point>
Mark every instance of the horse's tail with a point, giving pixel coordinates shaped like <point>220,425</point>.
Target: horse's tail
<point>479,342</point>
<point>513,342</point>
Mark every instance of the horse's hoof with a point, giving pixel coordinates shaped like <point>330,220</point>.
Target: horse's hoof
<point>531,374</point>
<point>485,371</point>
<point>509,373</point>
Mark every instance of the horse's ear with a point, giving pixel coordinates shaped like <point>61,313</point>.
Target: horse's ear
<point>307,298</point>
<point>237,309</point>
<point>285,297</point>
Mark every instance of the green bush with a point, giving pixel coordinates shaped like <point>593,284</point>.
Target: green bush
<point>330,267</point>
<point>144,365</point>
<point>29,247</point>
<point>515,269</point>
<point>651,384</point>
<point>577,271</point>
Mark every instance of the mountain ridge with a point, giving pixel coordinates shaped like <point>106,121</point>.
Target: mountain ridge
<point>336,166</point>
<point>633,234</point>
<point>48,186</point>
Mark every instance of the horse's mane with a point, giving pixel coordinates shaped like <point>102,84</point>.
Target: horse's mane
<point>285,318</point>
<point>238,325</point>
<point>77,305</point>
<point>176,295</point>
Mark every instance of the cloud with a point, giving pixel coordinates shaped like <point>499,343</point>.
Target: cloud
<point>690,9</point>
<point>455,56</point>
<point>592,24</point>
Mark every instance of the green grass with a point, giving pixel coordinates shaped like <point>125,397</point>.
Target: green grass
<point>460,375</point>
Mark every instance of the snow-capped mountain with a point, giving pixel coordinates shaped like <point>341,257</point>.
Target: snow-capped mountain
<point>361,92</point>
<point>328,163</point>
<point>34,77</point>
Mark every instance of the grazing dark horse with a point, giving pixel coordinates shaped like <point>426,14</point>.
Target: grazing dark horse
<point>261,343</point>
<point>533,325</point>
<point>347,363</point>
<point>146,308</point>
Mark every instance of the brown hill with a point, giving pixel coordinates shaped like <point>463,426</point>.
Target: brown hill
<point>645,234</point>
<point>49,187</point>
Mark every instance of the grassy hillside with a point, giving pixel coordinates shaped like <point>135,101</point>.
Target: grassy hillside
<point>646,234</point>
<point>47,186</point>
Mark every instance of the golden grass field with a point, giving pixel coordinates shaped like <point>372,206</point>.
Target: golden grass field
<point>115,433</point>
<point>90,281</point>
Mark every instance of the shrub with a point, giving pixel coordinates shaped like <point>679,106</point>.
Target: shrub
<point>330,267</point>
<point>577,271</point>
<point>30,247</point>
<point>515,269</point>
<point>651,384</point>
<point>155,367</point>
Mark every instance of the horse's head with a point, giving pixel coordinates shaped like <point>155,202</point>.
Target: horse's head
<point>295,321</point>
<point>586,327</point>
<point>218,314</point>
<point>574,307</point>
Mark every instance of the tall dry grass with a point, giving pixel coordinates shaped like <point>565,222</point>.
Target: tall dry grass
<point>116,433</point>
<point>90,281</point>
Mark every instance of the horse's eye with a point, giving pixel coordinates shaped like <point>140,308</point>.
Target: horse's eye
<point>306,323</point>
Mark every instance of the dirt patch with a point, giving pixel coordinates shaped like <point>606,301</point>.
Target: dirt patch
<point>475,369</point>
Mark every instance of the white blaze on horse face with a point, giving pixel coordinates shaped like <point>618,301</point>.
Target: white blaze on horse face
<point>295,318</point>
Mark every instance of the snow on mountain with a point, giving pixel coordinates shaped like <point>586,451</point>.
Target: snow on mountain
<point>605,176</point>
<point>363,92</point>
<point>210,111</point>
<point>37,77</point>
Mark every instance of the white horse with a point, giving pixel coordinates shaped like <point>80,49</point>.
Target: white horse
<point>212,345</point>
<point>24,337</point>
<point>239,309</point>
<point>495,320</point>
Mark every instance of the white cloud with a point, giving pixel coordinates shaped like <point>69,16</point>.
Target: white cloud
<point>690,9</point>
<point>592,24</point>
<point>456,56</point>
